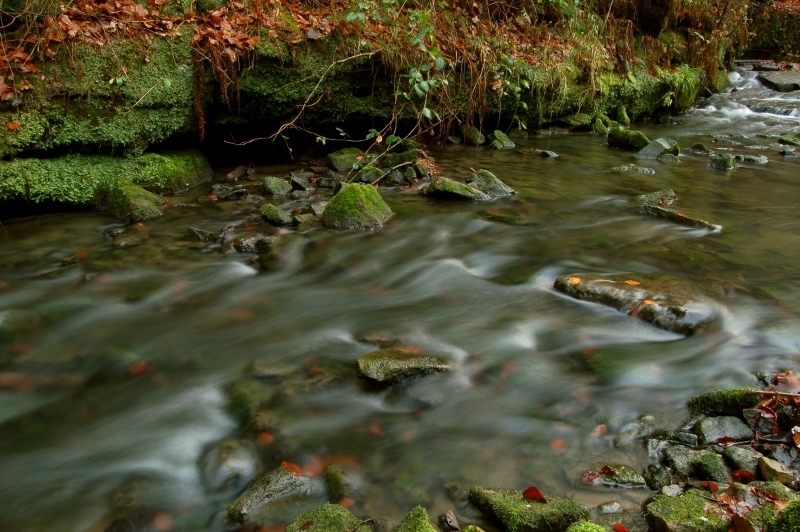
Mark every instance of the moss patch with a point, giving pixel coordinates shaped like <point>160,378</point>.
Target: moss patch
<point>327,518</point>
<point>728,402</point>
<point>356,206</point>
<point>132,203</point>
<point>518,514</point>
<point>416,521</point>
<point>687,512</point>
<point>627,139</point>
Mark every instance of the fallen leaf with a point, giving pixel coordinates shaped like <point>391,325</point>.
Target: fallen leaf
<point>742,523</point>
<point>600,430</point>
<point>294,468</point>
<point>81,255</point>
<point>796,436</point>
<point>138,367</point>
<point>265,438</point>
<point>590,477</point>
<point>347,502</point>
<point>375,430</point>
<point>532,493</point>
<point>162,521</point>
<point>574,280</point>
<point>558,445</point>
<point>606,471</point>
<point>632,282</point>
<point>13,125</point>
<point>742,476</point>
<point>712,487</point>
<point>780,506</point>
<point>619,527</point>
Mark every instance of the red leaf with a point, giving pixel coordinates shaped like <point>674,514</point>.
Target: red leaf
<point>712,487</point>
<point>742,476</point>
<point>606,471</point>
<point>294,468</point>
<point>13,125</point>
<point>534,494</point>
<point>619,527</point>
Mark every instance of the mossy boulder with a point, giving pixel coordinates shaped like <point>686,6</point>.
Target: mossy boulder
<point>275,186</point>
<point>668,303</point>
<point>620,476</point>
<point>274,487</point>
<point>356,206</point>
<point>489,184</point>
<point>711,466</point>
<point>518,514</point>
<point>627,139</point>
<point>500,141</point>
<point>789,140</point>
<point>275,215</point>
<point>446,188</point>
<point>599,128</point>
<point>723,162</point>
<point>346,159</point>
<point>689,513</point>
<point>131,203</point>
<point>700,149</point>
<point>328,518</point>
<point>247,396</point>
<point>391,366</point>
<point>417,520</point>
<point>586,526</point>
<point>472,135</point>
<point>727,402</point>
<point>728,428</point>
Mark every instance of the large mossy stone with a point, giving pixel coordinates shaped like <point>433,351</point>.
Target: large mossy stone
<point>723,162</point>
<point>278,485</point>
<point>668,303</point>
<point>727,402</point>
<point>500,141</point>
<point>489,184</point>
<point>627,139</point>
<point>472,135</point>
<point>345,159</point>
<point>446,188</point>
<point>356,206</point>
<point>132,203</point>
<point>789,519</point>
<point>417,520</point>
<point>657,148</point>
<point>711,466</point>
<point>722,428</point>
<point>518,514</point>
<point>275,186</point>
<point>328,518</point>
<point>275,215</point>
<point>687,513</point>
<point>391,366</point>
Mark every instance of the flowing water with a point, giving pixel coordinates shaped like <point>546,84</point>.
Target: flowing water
<point>118,373</point>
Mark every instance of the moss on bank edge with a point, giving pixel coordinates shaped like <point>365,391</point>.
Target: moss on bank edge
<point>78,179</point>
<point>328,518</point>
<point>518,514</point>
<point>727,402</point>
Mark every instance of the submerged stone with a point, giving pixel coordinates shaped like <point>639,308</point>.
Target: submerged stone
<point>668,158</point>
<point>634,169</point>
<point>727,402</point>
<point>247,396</point>
<point>391,366</point>
<point>700,149</point>
<point>659,198</point>
<point>752,159</point>
<point>723,162</point>
<point>687,513</point>
<point>489,184</point>
<point>500,141</point>
<point>472,135</point>
<point>665,302</point>
<point>356,206</point>
<point>346,159</point>
<point>417,520</point>
<point>546,154</point>
<point>277,485</point>
<point>132,203</point>
<point>249,243</point>
<point>275,186</point>
<point>679,217</point>
<point>328,518</point>
<point>788,153</point>
<point>446,188</point>
<point>722,428</point>
<point>657,148</point>
<point>275,215</point>
<point>518,514</point>
<point>627,139</point>
<point>231,464</point>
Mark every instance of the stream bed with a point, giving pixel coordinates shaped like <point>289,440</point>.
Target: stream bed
<point>114,371</point>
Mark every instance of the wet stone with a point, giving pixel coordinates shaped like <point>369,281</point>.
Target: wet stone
<point>612,507</point>
<point>722,428</point>
<point>275,186</point>
<point>500,141</point>
<point>657,476</point>
<point>725,402</point>
<point>126,240</point>
<point>723,162</point>
<point>345,159</point>
<point>517,514</point>
<point>356,206</point>
<point>665,302</point>
<point>489,184</point>
<point>231,464</point>
<point>632,432</point>
<point>472,135</point>
<point>659,198</point>
<point>727,142</point>
<point>275,486</point>
<point>634,169</point>
<point>752,159</point>
<point>679,217</point>
<point>456,141</point>
<point>788,153</point>
<point>390,366</point>
<point>700,149</point>
<point>445,188</point>
<point>687,513</point>
<point>711,466</point>
<point>449,523</point>
<point>773,470</point>
<point>275,215</point>
<point>742,457</point>
<point>546,154</point>
<point>201,235</point>
<point>621,476</point>
<point>417,520</point>
<point>681,459</point>
<point>657,148</point>
<point>626,139</point>
<point>328,518</point>
<point>668,158</point>
<point>299,194</point>
<point>249,243</point>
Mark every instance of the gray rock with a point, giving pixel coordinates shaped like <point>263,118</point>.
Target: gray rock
<point>546,154</point>
<point>275,215</point>
<point>619,475</point>
<point>201,234</point>
<point>472,135</point>
<point>752,159</point>
<point>275,186</point>
<point>722,428</point>
<point>659,198</point>
<point>665,302</point>
<point>445,188</point>
<point>657,476</point>
<point>788,153</point>
<point>301,183</point>
<point>742,457</point>
<point>681,459</point>
<point>489,184</point>
<point>299,194</point>
<point>679,217</point>
<point>657,148</point>
<point>711,466</point>
<point>391,366</point>
<point>634,431</point>
<point>700,149</point>
<point>727,142</point>
<point>773,470</point>
<point>500,141</point>
<point>787,81</point>
<point>126,240</point>
<point>668,158</point>
<point>673,490</point>
<point>634,169</point>
<point>723,162</point>
<point>231,464</point>
<point>275,486</point>
<point>612,507</point>
<point>249,243</point>
<point>456,141</point>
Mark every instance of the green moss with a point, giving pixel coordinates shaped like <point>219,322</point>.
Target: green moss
<point>586,526</point>
<point>518,514</point>
<point>328,518</point>
<point>416,521</point>
<point>443,187</point>
<point>356,206</point>
<point>274,215</point>
<point>336,482</point>
<point>275,186</point>
<point>622,475</point>
<point>627,139</point>
<point>346,159</point>
<point>711,466</point>
<point>687,512</point>
<point>789,519</point>
<point>390,366</point>
<point>130,202</point>
<point>728,402</point>
<point>247,396</point>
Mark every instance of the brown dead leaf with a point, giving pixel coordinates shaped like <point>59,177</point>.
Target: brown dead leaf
<point>574,280</point>
<point>13,125</point>
<point>632,282</point>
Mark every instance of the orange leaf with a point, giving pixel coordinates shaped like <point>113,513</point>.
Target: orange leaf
<point>619,527</point>
<point>712,487</point>
<point>13,125</point>
<point>796,436</point>
<point>138,367</point>
<point>265,438</point>
<point>81,255</point>
<point>293,468</point>
<point>558,445</point>
<point>375,430</point>
<point>347,502</point>
<point>533,493</point>
<point>574,280</point>
<point>632,282</point>
<point>742,476</point>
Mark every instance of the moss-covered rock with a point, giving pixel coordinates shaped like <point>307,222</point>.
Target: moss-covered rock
<point>586,526</point>
<point>472,135</point>
<point>390,366</point>
<point>131,203</point>
<point>687,513</point>
<point>417,520</point>
<point>247,396</point>
<point>657,476</point>
<point>275,215</point>
<point>658,198</point>
<point>328,518</point>
<point>729,428</point>
<point>711,466</point>
<point>517,514</point>
<point>500,141</point>
<point>627,139</point>
<point>275,186</point>
<point>275,486</point>
<point>700,149</point>
<point>619,475</point>
<point>346,159</point>
<point>489,184</point>
<point>446,188</point>
<point>356,206</point>
<point>659,148</point>
<point>679,217</point>
<point>723,162</point>
<point>727,402</point>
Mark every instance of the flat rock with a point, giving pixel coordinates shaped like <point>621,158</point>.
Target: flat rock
<point>517,514</point>
<point>773,470</point>
<point>278,485</point>
<point>786,81</point>
<point>668,303</point>
<point>446,188</point>
<point>741,457</point>
<point>659,198</point>
<point>687,513</point>
<point>489,184</point>
<point>657,148</point>
<point>722,428</point>
<point>634,169</point>
<point>679,217</point>
<point>391,366</point>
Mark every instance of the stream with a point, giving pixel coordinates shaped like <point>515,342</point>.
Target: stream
<point>112,382</point>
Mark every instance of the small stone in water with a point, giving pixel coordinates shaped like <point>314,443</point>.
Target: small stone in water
<point>788,153</point>
<point>754,159</point>
<point>634,169</point>
<point>612,507</point>
<point>546,154</point>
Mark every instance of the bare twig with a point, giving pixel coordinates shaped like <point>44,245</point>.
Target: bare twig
<point>767,393</point>
<point>364,522</point>
<point>392,169</point>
